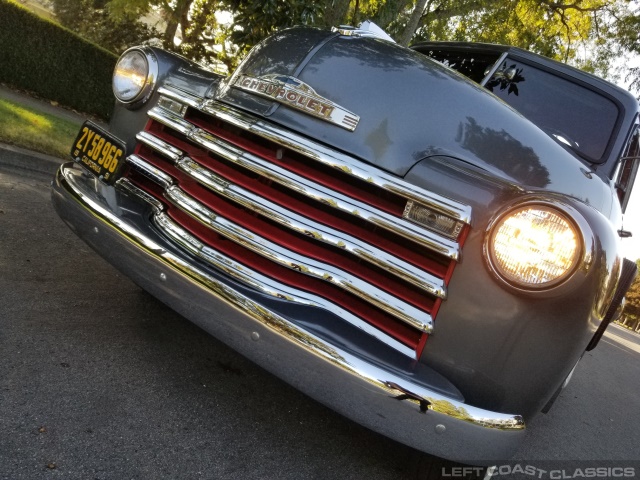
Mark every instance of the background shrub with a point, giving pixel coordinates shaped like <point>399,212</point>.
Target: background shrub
<point>40,56</point>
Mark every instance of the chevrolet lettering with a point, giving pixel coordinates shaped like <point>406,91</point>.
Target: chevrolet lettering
<point>294,93</point>
<point>427,251</point>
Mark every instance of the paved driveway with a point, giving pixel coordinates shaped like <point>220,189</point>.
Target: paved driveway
<point>99,380</point>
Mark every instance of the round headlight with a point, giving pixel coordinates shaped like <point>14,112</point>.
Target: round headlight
<point>533,246</point>
<point>133,77</point>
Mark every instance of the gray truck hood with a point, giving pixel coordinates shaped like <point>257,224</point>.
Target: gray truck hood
<point>410,108</point>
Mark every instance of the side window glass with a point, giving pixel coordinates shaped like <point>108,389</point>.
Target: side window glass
<point>580,118</point>
<point>628,167</point>
<point>469,63</point>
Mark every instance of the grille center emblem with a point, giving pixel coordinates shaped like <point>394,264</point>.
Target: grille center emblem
<point>296,94</point>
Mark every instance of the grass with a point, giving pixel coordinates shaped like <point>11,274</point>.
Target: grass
<point>34,130</point>
<point>38,9</point>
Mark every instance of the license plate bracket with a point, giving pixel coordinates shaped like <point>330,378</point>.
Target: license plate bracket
<point>100,152</point>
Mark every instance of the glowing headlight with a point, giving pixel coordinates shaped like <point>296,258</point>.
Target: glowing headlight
<point>134,76</point>
<point>534,246</point>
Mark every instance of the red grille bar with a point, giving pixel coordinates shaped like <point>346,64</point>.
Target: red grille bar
<point>397,329</point>
<point>385,240</point>
<point>292,241</point>
<point>408,252</point>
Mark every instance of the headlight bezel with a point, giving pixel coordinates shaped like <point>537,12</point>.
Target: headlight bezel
<point>150,80</point>
<point>575,221</point>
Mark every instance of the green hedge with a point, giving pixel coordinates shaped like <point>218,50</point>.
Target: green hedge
<point>40,56</point>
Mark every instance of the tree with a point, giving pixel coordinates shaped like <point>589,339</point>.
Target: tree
<point>203,38</point>
<point>585,33</point>
<point>93,20</point>
<point>255,19</point>
<point>589,34</point>
<point>548,27</point>
<point>625,34</point>
<point>175,13</point>
<point>632,307</point>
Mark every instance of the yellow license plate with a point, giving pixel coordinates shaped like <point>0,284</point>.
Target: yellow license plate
<point>99,151</point>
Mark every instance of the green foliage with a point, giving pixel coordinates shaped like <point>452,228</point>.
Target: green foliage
<point>632,307</point>
<point>254,20</point>
<point>42,57</point>
<point>205,39</point>
<point>549,28</point>
<point>585,33</point>
<point>91,19</point>
<point>203,33</point>
<point>590,34</point>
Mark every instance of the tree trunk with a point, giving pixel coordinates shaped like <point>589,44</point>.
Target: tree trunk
<point>356,13</point>
<point>412,25</point>
<point>336,14</point>
<point>174,18</point>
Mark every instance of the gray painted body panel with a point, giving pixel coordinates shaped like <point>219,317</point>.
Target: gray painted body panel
<point>412,108</point>
<point>502,349</point>
<point>437,129</point>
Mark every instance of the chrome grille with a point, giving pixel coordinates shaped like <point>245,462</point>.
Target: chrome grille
<point>294,218</point>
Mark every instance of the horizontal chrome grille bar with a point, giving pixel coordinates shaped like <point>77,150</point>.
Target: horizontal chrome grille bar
<point>165,148</point>
<point>307,187</point>
<point>126,185</point>
<point>149,171</point>
<point>265,284</point>
<point>323,233</point>
<point>182,96</point>
<point>308,266</point>
<point>323,154</point>
<point>299,223</point>
<point>233,159</point>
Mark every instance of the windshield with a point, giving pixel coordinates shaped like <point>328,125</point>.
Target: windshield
<point>574,115</point>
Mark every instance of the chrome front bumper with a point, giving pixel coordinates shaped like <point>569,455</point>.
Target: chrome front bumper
<point>354,374</point>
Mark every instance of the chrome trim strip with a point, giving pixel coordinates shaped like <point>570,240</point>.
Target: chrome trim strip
<point>298,223</point>
<point>386,302</point>
<point>173,121</point>
<point>174,93</point>
<point>494,69</point>
<point>386,399</point>
<point>158,145</point>
<point>328,156</point>
<point>126,185</point>
<point>151,172</point>
<point>287,218</point>
<point>307,187</point>
<point>267,285</point>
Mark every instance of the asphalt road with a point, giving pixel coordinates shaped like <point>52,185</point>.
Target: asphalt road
<point>99,380</point>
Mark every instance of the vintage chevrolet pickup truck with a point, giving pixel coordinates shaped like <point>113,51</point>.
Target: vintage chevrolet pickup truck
<point>424,239</point>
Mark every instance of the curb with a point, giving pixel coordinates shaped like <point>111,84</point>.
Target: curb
<point>41,105</point>
<point>28,160</point>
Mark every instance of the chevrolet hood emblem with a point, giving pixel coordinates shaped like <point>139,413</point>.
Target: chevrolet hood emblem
<point>296,94</point>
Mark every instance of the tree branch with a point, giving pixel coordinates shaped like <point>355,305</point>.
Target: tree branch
<point>570,6</point>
